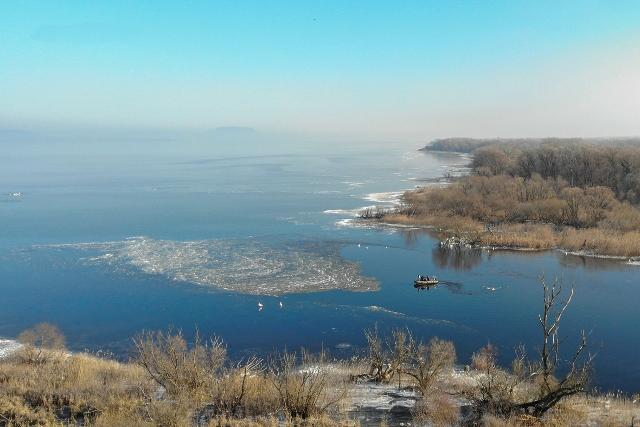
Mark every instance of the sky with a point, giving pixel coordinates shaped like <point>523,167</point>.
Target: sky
<point>373,69</point>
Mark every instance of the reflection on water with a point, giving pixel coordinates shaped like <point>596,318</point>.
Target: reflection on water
<point>591,263</point>
<point>456,258</point>
<point>411,236</point>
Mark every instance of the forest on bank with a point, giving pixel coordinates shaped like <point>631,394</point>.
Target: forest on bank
<point>538,194</point>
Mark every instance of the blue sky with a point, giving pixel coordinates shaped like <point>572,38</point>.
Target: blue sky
<point>391,69</point>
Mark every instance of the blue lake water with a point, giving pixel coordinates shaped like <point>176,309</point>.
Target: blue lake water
<point>108,245</point>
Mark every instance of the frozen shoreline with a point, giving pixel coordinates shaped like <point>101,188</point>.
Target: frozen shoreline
<point>391,199</point>
<point>8,347</point>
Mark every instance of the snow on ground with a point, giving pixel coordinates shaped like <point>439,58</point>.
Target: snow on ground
<point>7,347</point>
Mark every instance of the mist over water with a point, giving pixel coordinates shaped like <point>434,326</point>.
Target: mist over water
<point>112,235</point>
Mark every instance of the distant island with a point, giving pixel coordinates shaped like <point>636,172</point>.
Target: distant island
<point>235,130</point>
<point>580,195</point>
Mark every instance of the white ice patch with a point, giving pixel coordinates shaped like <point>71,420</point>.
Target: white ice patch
<point>353,184</point>
<point>392,197</point>
<point>350,212</point>
<point>7,347</point>
<point>382,396</point>
<point>238,265</point>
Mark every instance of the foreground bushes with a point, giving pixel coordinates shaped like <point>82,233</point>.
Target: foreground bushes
<point>174,383</point>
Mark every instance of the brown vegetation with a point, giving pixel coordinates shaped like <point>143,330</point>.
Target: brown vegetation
<point>35,340</point>
<point>574,196</point>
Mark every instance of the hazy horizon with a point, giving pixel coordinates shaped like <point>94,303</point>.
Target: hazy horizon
<point>371,71</point>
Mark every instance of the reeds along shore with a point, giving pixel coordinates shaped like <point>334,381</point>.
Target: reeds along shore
<point>524,198</point>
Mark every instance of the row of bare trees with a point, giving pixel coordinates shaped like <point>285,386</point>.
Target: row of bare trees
<point>613,166</point>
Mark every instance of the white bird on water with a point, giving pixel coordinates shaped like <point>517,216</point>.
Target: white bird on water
<point>260,306</point>
<point>280,304</point>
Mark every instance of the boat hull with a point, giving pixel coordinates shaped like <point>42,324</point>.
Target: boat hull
<point>425,282</point>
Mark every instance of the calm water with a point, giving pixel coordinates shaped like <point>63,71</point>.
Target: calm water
<point>253,218</point>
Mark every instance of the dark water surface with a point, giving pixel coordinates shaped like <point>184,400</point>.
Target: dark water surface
<point>258,221</point>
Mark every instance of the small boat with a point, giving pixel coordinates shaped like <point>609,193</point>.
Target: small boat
<point>426,281</point>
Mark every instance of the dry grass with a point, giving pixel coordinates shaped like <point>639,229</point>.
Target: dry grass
<point>85,389</point>
<point>77,387</point>
<point>437,222</point>
<point>438,410</point>
<point>601,411</point>
<point>102,392</point>
<point>533,236</point>
<point>602,242</point>
<point>529,236</point>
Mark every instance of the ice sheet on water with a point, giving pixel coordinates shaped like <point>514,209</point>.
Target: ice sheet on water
<point>239,265</point>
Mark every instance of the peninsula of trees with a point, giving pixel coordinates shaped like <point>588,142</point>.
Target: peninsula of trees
<point>578,195</point>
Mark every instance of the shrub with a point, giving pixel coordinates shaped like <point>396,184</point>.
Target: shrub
<point>179,369</point>
<point>40,343</point>
<point>387,357</point>
<point>304,388</point>
<point>428,361</point>
<point>440,411</point>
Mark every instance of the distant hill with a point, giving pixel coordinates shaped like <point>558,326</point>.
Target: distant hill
<point>235,130</point>
<point>469,145</point>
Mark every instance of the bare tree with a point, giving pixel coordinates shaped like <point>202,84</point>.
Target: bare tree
<point>303,387</point>
<point>428,361</point>
<point>373,213</point>
<point>494,390</point>
<point>40,343</point>
<point>533,387</point>
<point>179,369</point>
<point>578,368</point>
<point>387,356</point>
<point>230,389</point>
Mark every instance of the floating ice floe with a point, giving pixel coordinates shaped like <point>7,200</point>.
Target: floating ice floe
<point>239,265</point>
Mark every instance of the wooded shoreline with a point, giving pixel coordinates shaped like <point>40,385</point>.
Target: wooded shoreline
<point>570,195</point>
